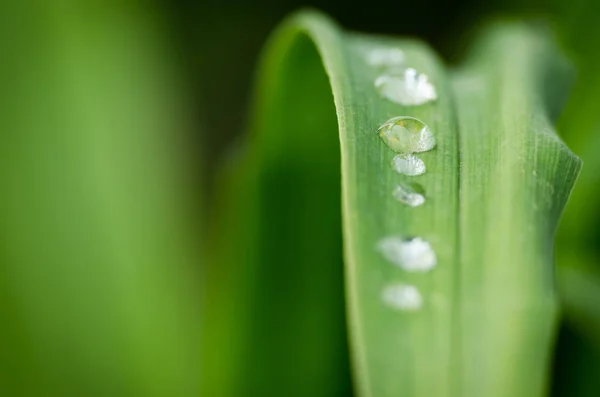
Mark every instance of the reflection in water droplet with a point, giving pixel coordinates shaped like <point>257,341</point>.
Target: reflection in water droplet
<point>407,135</point>
<point>388,57</point>
<point>413,254</point>
<point>408,164</point>
<point>407,88</point>
<point>403,297</point>
<point>407,195</point>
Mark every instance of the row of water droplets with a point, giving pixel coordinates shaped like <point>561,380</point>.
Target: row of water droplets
<point>406,136</point>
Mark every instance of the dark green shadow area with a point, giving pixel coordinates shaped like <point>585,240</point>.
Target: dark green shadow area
<point>576,366</point>
<point>278,278</point>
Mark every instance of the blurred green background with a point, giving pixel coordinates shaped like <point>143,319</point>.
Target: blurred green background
<point>115,118</point>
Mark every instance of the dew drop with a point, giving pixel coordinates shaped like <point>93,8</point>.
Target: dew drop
<point>408,164</point>
<point>407,195</point>
<point>402,297</point>
<point>408,88</point>
<point>415,254</point>
<point>387,57</point>
<point>407,135</point>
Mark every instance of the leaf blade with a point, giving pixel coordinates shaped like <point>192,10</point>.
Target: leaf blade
<point>421,354</point>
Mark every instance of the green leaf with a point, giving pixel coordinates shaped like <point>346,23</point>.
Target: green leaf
<point>516,176</point>
<point>98,251</point>
<point>495,186</point>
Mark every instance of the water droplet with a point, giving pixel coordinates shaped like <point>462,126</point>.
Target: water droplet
<point>415,254</point>
<point>403,297</point>
<point>407,88</point>
<point>407,135</point>
<point>408,164</point>
<point>388,57</point>
<point>407,195</point>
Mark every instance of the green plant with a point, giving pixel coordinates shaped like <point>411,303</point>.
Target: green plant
<point>495,187</point>
<point>309,289</point>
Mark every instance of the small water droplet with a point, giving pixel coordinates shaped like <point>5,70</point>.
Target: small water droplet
<point>408,88</point>
<point>388,57</point>
<point>408,164</point>
<point>414,254</point>
<point>403,297</point>
<point>407,195</point>
<point>407,135</point>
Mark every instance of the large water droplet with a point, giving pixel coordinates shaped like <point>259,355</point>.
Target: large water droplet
<point>387,57</point>
<point>413,254</point>
<point>402,297</point>
<point>408,88</point>
<point>409,196</point>
<point>408,164</point>
<point>407,135</point>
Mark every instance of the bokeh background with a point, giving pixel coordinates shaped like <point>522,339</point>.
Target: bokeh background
<point>115,118</point>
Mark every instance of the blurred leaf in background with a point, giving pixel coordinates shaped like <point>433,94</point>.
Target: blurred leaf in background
<point>578,239</point>
<point>98,221</point>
